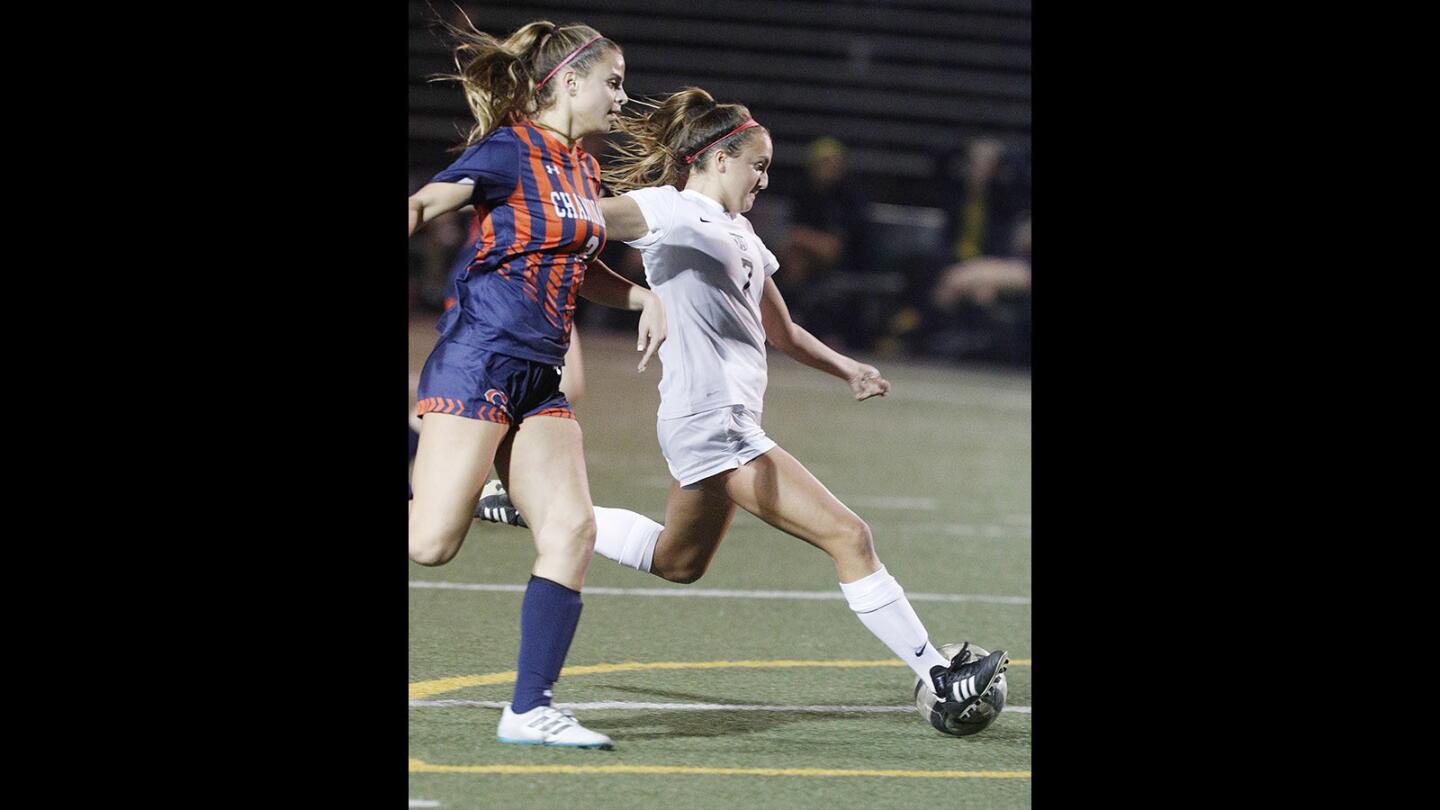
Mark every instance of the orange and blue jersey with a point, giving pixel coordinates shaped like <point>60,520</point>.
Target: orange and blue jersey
<point>539,226</point>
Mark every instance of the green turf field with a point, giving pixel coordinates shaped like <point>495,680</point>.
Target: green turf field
<point>940,469</point>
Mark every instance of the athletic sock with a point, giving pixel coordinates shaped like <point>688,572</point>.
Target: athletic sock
<point>548,617</point>
<point>626,537</point>
<point>880,603</point>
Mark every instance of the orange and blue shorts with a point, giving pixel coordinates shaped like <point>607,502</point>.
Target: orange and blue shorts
<point>465,380</point>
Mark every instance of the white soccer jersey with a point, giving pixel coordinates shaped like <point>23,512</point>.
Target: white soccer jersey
<point>709,269</point>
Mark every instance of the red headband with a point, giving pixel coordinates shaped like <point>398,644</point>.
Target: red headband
<point>750,123</point>
<point>566,61</point>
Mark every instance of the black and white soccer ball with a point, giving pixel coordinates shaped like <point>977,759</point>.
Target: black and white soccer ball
<point>944,716</point>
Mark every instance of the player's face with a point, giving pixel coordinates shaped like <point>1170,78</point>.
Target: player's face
<point>748,174</point>
<point>599,95</point>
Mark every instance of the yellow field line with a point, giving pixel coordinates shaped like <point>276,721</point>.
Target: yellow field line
<point>424,689</point>
<point>420,766</point>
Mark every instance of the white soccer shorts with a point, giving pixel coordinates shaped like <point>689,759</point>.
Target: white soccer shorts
<point>703,444</point>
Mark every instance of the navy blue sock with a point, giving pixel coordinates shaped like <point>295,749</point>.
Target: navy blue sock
<point>548,618</point>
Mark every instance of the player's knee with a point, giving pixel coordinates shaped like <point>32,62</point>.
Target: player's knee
<point>681,566</point>
<point>429,547</point>
<point>431,553</point>
<point>567,534</point>
<point>854,541</point>
<point>687,572</point>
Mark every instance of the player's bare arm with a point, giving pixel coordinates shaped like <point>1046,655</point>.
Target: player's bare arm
<point>623,219</point>
<point>793,339</point>
<point>608,288</point>
<point>434,199</point>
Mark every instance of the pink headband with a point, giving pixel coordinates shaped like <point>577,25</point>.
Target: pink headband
<point>750,123</point>
<point>566,61</point>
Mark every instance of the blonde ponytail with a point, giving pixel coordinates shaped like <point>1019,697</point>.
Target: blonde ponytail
<point>499,77</point>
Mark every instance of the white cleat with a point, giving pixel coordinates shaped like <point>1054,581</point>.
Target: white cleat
<point>547,725</point>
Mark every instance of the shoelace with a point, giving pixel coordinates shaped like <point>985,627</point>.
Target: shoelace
<point>961,658</point>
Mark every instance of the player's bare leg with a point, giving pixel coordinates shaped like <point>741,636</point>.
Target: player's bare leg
<point>695,522</point>
<point>697,519</point>
<point>545,477</point>
<point>780,491</point>
<point>495,504</point>
<point>450,468</point>
<point>544,467</point>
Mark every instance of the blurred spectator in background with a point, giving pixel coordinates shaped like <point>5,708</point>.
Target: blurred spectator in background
<point>828,235</point>
<point>978,304</point>
<point>991,189</point>
<point>828,223</point>
<point>983,280</point>
<point>464,252</point>
<point>432,255</point>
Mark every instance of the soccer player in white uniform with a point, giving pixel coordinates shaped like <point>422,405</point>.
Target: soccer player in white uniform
<point>712,274</point>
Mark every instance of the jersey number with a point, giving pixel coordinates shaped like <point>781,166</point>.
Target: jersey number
<point>592,246</point>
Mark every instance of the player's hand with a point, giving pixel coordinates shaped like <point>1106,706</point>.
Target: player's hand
<point>867,382</point>
<point>652,329</point>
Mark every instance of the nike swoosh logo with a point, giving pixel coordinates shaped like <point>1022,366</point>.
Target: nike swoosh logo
<point>702,219</point>
<point>919,651</point>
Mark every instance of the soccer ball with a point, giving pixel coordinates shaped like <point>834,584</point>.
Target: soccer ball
<point>944,716</point>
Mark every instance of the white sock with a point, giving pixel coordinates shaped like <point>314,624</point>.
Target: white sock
<point>880,603</point>
<point>626,537</point>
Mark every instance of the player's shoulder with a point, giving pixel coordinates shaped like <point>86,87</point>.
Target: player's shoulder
<point>666,196</point>
<point>498,143</point>
<point>505,136</point>
<point>660,207</point>
<point>654,191</point>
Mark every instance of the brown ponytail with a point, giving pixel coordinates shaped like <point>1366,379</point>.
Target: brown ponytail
<point>683,125</point>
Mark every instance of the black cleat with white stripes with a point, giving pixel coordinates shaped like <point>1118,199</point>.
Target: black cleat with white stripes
<point>495,506</point>
<point>965,682</point>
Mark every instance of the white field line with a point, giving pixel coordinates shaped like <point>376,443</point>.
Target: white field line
<point>424,803</point>
<point>625,705</point>
<point>717,593</point>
